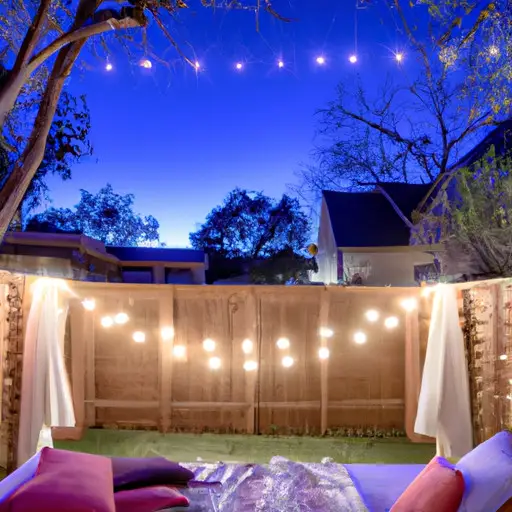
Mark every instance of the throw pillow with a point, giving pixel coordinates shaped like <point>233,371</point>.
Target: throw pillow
<point>149,499</point>
<point>438,488</point>
<point>66,482</point>
<point>488,473</point>
<point>131,473</point>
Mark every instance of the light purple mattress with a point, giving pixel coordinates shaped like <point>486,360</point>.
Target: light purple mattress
<point>380,485</point>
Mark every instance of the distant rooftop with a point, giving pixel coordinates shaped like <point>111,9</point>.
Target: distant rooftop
<point>367,219</point>
<point>157,254</point>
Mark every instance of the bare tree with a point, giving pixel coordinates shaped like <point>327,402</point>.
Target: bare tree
<point>39,30</point>
<point>414,130</point>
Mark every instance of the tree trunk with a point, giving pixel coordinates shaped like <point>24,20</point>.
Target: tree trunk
<point>9,93</point>
<point>21,176</point>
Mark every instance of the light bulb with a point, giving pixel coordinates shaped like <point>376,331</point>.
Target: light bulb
<point>179,351</point>
<point>283,343</point>
<point>325,332</point>
<point>121,318</point>
<point>280,64</point>
<point>324,353</point>
<point>372,315</point>
<point>360,338</point>
<point>320,60</point>
<point>139,337</point>
<point>391,322</point>
<point>109,67</point>
<point>353,59</point>
<point>209,345</point>
<point>503,357</point>
<point>239,66</point>
<point>287,361</point>
<point>494,50</point>
<point>399,57</point>
<point>250,366</point>
<point>89,304</point>
<point>107,321</point>
<point>214,363</point>
<point>409,304</point>
<point>167,333</point>
<point>197,64</point>
<point>146,64</point>
<point>247,346</point>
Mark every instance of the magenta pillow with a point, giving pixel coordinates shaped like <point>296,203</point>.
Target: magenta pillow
<point>438,488</point>
<point>136,473</point>
<point>149,499</point>
<point>66,482</point>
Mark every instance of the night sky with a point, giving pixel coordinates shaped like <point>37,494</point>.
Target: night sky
<point>180,141</point>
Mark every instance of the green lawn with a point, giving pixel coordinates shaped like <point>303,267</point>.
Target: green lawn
<point>241,448</point>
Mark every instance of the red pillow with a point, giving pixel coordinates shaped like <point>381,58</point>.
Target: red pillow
<point>149,499</point>
<point>438,488</point>
<point>66,482</point>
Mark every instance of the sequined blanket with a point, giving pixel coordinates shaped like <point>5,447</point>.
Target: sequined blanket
<point>280,486</point>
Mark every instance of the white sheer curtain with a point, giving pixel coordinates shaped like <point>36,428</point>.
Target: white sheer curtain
<point>444,410</point>
<point>45,394</point>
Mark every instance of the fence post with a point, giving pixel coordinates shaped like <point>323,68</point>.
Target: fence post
<point>324,363</point>
<point>166,345</point>
<point>78,370</point>
<point>90,368</point>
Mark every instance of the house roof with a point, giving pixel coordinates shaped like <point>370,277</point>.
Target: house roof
<point>152,254</point>
<point>367,219</point>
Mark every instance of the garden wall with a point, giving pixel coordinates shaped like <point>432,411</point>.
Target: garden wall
<point>117,381</point>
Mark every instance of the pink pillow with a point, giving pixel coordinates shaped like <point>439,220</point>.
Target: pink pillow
<point>438,488</point>
<point>149,499</point>
<point>66,482</point>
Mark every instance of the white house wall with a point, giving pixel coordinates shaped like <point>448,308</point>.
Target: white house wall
<point>327,258</point>
<point>386,268</point>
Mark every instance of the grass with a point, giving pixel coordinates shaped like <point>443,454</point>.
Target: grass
<point>243,448</point>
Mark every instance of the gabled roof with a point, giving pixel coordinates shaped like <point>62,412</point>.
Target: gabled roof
<point>367,219</point>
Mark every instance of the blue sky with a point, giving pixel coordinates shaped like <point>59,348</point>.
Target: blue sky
<point>180,141</point>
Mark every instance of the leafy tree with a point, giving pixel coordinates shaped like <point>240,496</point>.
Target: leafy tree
<point>106,216</point>
<point>68,143</point>
<point>54,32</point>
<point>250,225</point>
<point>472,216</point>
<point>414,130</point>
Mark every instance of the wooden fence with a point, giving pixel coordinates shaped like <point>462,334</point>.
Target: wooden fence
<point>368,386</point>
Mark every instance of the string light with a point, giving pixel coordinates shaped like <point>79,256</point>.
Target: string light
<point>121,318</point>
<point>250,366</point>
<point>197,65</point>
<point>139,337</point>
<point>372,315</point>
<point>391,322</point>
<point>146,63</point>
<point>409,304</point>
<point>109,67</point>
<point>360,338</point>
<point>320,60</point>
<point>280,64</point>
<point>324,353</point>
<point>353,59</point>
<point>89,304</point>
<point>325,332</point>
<point>209,345</point>
<point>399,57</point>
<point>107,322</point>
<point>179,351</point>
<point>247,346</point>
<point>503,357</point>
<point>287,361</point>
<point>167,333</point>
<point>494,50</point>
<point>283,343</point>
<point>239,66</point>
<point>214,363</point>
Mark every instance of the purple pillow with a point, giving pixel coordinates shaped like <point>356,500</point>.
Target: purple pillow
<point>131,473</point>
